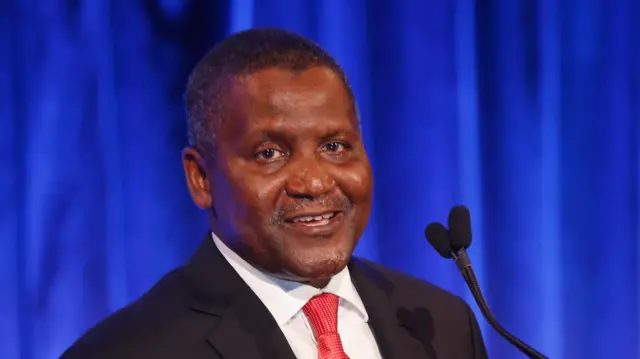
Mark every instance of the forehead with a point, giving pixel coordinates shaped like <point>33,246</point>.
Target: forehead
<point>312,98</point>
<point>279,86</point>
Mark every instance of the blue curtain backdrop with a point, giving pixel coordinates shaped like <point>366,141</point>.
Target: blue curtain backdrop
<point>526,111</point>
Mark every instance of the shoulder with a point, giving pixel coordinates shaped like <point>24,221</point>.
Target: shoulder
<point>441,316</point>
<point>419,300</point>
<point>409,289</point>
<point>138,329</point>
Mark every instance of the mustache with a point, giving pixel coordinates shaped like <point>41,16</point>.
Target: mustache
<point>340,203</point>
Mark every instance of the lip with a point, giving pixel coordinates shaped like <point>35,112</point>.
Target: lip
<point>312,214</point>
<point>317,230</point>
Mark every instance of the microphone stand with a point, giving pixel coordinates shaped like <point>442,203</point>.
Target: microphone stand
<point>464,265</point>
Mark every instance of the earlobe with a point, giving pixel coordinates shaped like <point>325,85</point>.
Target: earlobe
<point>197,178</point>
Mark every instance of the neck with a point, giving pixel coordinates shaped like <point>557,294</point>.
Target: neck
<point>320,283</point>
<point>243,253</point>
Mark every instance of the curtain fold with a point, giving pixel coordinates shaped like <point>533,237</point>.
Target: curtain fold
<point>526,111</point>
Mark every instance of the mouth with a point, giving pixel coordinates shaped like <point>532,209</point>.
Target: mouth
<point>313,219</point>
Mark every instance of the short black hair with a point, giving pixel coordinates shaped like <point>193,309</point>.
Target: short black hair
<point>242,54</point>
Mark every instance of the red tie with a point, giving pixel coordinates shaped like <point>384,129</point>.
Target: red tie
<point>322,312</point>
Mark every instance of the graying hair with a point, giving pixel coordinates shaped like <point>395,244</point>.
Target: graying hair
<point>242,54</point>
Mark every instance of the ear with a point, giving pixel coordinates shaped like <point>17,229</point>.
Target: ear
<point>197,178</point>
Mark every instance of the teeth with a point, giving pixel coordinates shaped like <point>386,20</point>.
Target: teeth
<point>313,218</point>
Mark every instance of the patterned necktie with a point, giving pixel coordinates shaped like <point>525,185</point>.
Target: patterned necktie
<point>322,312</point>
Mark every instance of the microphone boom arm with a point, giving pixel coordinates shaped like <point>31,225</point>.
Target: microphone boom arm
<point>464,265</point>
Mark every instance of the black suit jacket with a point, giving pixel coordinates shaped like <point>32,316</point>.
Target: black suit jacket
<point>204,310</point>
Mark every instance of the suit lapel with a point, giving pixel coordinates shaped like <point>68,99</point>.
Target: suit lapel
<point>241,326</point>
<point>398,332</point>
<point>242,332</point>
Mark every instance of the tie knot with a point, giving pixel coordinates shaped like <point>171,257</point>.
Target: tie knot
<point>322,312</point>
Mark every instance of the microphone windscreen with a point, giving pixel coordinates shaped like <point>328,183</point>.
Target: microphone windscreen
<point>439,239</point>
<point>460,227</point>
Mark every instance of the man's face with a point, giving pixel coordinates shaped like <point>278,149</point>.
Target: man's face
<point>291,184</point>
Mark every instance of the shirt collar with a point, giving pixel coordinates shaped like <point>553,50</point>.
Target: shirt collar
<point>285,298</point>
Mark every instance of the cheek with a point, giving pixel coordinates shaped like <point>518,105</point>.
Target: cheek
<point>265,197</point>
<point>256,196</point>
<point>356,181</point>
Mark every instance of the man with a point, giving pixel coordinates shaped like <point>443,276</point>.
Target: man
<point>276,160</point>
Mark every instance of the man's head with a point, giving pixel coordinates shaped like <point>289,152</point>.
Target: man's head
<point>276,155</point>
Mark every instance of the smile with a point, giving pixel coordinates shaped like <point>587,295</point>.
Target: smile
<point>316,220</point>
<point>316,223</point>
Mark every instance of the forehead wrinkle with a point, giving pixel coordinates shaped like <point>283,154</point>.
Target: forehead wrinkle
<point>269,103</point>
<point>276,99</point>
<point>280,88</point>
<point>305,99</point>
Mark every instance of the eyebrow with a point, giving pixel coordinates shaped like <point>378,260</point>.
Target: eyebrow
<point>267,135</point>
<point>277,135</point>
<point>337,133</point>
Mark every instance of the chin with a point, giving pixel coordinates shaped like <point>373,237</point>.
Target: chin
<point>313,268</point>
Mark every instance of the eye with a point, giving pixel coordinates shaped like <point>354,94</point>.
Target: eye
<point>269,154</point>
<point>335,147</point>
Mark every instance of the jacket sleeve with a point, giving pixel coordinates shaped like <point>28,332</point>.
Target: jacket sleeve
<point>477,342</point>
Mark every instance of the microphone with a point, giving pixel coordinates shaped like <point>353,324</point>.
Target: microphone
<point>453,243</point>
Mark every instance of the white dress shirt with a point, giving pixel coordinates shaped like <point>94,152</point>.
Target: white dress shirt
<point>285,299</point>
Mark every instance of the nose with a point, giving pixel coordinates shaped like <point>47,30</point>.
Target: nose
<point>309,180</point>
